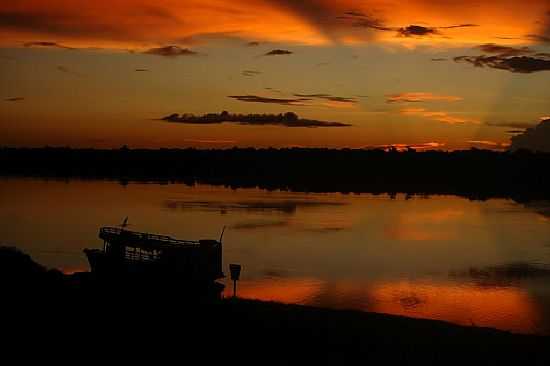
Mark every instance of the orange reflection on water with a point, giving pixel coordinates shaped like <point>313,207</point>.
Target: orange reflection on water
<point>426,225</point>
<point>73,270</point>
<point>288,290</point>
<point>506,308</point>
<point>415,234</point>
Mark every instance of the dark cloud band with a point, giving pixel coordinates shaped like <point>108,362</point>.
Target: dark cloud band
<point>328,97</point>
<point>363,20</point>
<point>514,59</point>
<point>288,119</point>
<point>259,99</point>
<point>278,52</point>
<point>170,51</point>
<point>47,44</point>
<point>14,99</point>
<point>516,64</point>
<point>250,72</point>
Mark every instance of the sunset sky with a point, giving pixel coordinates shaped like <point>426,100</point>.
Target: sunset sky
<point>440,74</point>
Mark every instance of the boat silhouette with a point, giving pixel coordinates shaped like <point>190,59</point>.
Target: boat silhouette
<point>137,254</point>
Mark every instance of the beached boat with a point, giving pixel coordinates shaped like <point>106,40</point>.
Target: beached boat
<point>135,253</point>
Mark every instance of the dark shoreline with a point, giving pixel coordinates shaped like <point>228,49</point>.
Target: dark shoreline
<point>474,174</point>
<point>254,332</point>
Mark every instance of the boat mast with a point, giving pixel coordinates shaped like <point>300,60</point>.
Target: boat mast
<point>221,236</point>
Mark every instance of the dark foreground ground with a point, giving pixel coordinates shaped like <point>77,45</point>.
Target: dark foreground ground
<point>57,318</point>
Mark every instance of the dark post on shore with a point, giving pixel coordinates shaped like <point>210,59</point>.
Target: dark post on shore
<point>235,270</point>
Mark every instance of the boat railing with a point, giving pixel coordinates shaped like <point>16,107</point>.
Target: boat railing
<point>106,232</point>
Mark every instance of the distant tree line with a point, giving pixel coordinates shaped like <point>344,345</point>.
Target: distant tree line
<point>477,174</point>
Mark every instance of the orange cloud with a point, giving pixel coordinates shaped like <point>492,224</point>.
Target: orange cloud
<point>421,97</point>
<point>128,23</point>
<point>211,141</point>
<point>488,143</point>
<point>438,116</point>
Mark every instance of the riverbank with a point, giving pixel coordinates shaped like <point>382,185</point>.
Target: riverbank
<point>170,321</point>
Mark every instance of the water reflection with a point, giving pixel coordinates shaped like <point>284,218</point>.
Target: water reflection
<point>284,206</point>
<point>504,308</point>
<point>510,308</point>
<point>441,257</point>
<point>506,275</point>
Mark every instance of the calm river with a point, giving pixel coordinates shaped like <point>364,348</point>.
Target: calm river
<point>441,257</point>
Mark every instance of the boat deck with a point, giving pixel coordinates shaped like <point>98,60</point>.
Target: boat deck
<point>137,252</point>
<point>145,240</point>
